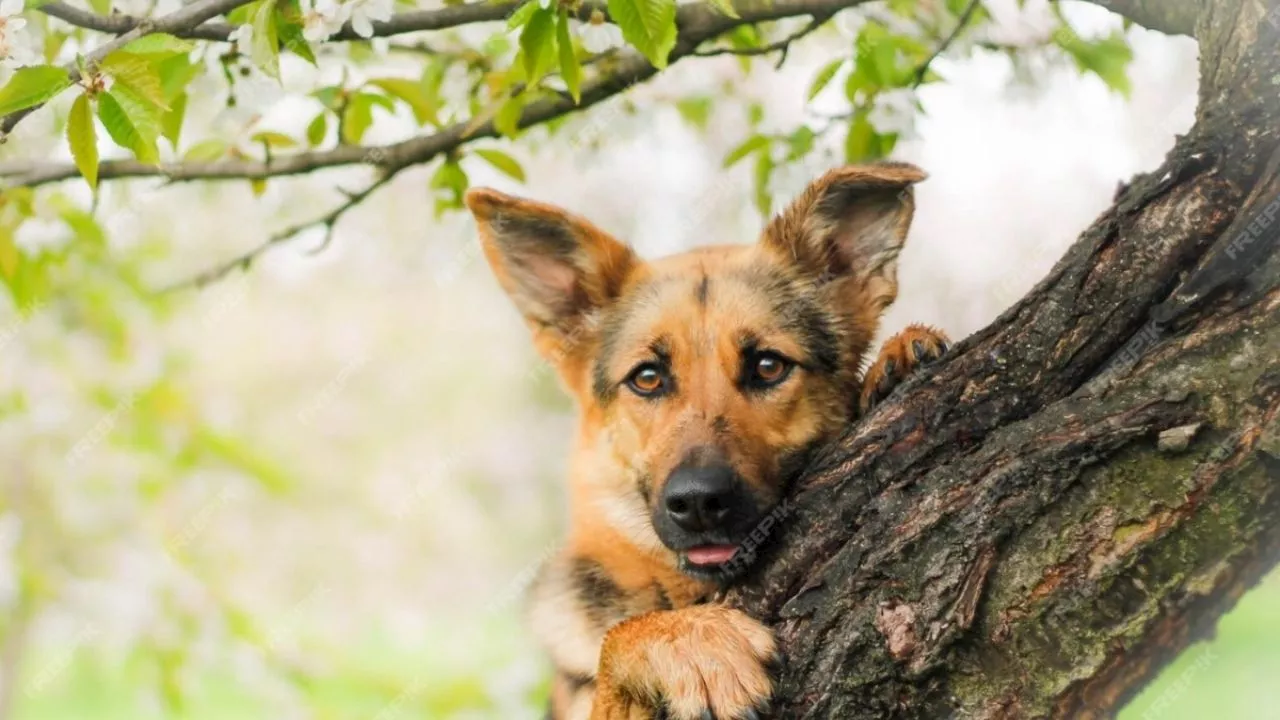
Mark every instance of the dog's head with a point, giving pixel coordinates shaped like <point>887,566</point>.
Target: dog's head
<point>707,378</point>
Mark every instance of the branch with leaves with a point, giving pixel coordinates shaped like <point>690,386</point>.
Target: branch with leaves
<point>546,61</point>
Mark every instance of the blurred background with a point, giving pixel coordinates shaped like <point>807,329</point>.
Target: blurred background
<point>317,489</point>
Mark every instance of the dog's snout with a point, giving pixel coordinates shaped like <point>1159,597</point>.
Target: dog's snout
<point>700,497</point>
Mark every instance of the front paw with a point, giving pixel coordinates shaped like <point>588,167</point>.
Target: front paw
<point>900,356</point>
<point>704,662</point>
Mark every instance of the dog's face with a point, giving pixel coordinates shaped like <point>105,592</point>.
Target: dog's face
<point>706,379</point>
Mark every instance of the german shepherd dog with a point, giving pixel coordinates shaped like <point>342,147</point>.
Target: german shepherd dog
<point>704,381</point>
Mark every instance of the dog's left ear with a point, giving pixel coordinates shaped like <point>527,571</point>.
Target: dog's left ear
<point>850,224</point>
<point>558,268</point>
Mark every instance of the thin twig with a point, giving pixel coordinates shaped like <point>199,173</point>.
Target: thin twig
<point>246,259</point>
<point>965,17</point>
<point>782,45</point>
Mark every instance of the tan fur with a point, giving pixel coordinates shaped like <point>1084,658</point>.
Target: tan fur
<point>628,630</point>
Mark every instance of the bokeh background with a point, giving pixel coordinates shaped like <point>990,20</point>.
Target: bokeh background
<point>319,487</point>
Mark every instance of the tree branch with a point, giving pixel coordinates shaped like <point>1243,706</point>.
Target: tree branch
<point>698,23</point>
<point>1172,17</point>
<point>399,24</point>
<point>174,23</point>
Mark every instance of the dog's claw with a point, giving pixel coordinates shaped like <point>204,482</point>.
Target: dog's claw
<point>901,356</point>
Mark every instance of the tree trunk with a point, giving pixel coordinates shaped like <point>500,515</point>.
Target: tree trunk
<point>1038,524</point>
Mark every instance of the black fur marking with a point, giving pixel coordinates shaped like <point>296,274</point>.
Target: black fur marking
<point>720,425</point>
<point>532,234</point>
<point>612,324</point>
<point>800,312</point>
<point>596,590</point>
<point>702,290</point>
<point>664,600</point>
<point>576,681</point>
<point>603,386</point>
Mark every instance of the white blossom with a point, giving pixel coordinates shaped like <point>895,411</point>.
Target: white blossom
<point>15,47</point>
<point>598,35</point>
<point>324,19</point>
<point>242,38</point>
<point>894,111</point>
<point>365,12</point>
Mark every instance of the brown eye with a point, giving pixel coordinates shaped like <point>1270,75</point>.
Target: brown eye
<point>647,380</point>
<point>767,369</point>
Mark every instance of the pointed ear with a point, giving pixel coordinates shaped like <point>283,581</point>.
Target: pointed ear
<point>558,268</point>
<point>850,224</point>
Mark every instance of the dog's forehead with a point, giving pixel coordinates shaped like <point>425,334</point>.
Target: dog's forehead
<point>709,296</point>
<point>712,282</point>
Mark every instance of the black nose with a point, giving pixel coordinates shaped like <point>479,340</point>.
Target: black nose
<point>699,498</point>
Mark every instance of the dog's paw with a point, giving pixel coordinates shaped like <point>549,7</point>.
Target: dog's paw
<point>900,356</point>
<point>698,663</point>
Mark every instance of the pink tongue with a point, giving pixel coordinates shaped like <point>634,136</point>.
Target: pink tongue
<point>712,554</point>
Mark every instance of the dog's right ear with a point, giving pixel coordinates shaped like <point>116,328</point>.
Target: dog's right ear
<point>559,269</point>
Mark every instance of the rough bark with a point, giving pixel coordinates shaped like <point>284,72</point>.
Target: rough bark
<point>1037,525</point>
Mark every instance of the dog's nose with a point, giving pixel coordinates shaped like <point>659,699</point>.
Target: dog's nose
<point>699,498</point>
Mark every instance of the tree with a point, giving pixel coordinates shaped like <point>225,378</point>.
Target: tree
<point>1036,526</point>
<point>1030,528</point>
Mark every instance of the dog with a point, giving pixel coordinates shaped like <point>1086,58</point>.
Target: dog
<point>705,381</point>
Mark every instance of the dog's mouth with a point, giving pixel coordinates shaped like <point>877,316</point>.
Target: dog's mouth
<point>720,562</point>
<point>710,555</point>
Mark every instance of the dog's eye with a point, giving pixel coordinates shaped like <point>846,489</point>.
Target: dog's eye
<point>767,369</point>
<point>647,380</point>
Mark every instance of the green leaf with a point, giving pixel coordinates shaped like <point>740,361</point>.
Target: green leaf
<point>318,128</point>
<point>755,143</point>
<point>863,142</point>
<point>800,143</point>
<point>159,44</point>
<point>175,73</point>
<point>265,48</point>
<point>206,151</point>
<point>522,14</point>
<point>507,119</point>
<point>1108,58</point>
<point>412,93</point>
<point>452,180</point>
<point>273,139</point>
<point>295,42</point>
<point>503,162</point>
<point>136,72</point>
<point>724,6</point>
<point>358,116</point>
<point>763,170</point>
<point>82,136</point>
<point>102,7</point>
<point>570,69</point>
<point>696,110</point>
<point>649,25</point>
<point>537,44</point>
<point>824,77</point>
<point>31,86</point>
<point>171,122</point>
<point>130,123</point>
